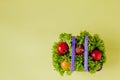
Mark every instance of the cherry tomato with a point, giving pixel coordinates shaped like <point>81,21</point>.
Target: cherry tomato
<point>65,65</point>
<point>96,54</point>
<point>62,48</point>
<point>79,49</point>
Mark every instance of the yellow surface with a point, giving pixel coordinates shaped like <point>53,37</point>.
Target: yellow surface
<point>28,29</point>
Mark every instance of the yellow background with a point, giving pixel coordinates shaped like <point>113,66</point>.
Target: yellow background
<point>28,29</point>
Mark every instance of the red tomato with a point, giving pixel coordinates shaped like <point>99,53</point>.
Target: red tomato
<point>65,65</point>
<point>96,54</point>
<point>62,48</point>
<point>79,49</point>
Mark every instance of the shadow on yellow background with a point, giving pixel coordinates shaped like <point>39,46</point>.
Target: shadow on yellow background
<point>28,29</point>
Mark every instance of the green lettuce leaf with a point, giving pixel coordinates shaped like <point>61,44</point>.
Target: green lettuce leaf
<point>94,42</point>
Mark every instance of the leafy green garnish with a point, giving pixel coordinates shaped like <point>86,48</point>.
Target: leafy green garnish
<point>94,42</point>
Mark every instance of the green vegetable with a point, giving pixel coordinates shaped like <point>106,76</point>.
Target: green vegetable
<point>94,42</point>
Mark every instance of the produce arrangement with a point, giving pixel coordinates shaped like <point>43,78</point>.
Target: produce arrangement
<point>83,52</point>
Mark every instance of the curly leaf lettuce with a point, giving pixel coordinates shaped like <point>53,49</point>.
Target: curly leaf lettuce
<point>94,42</point>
